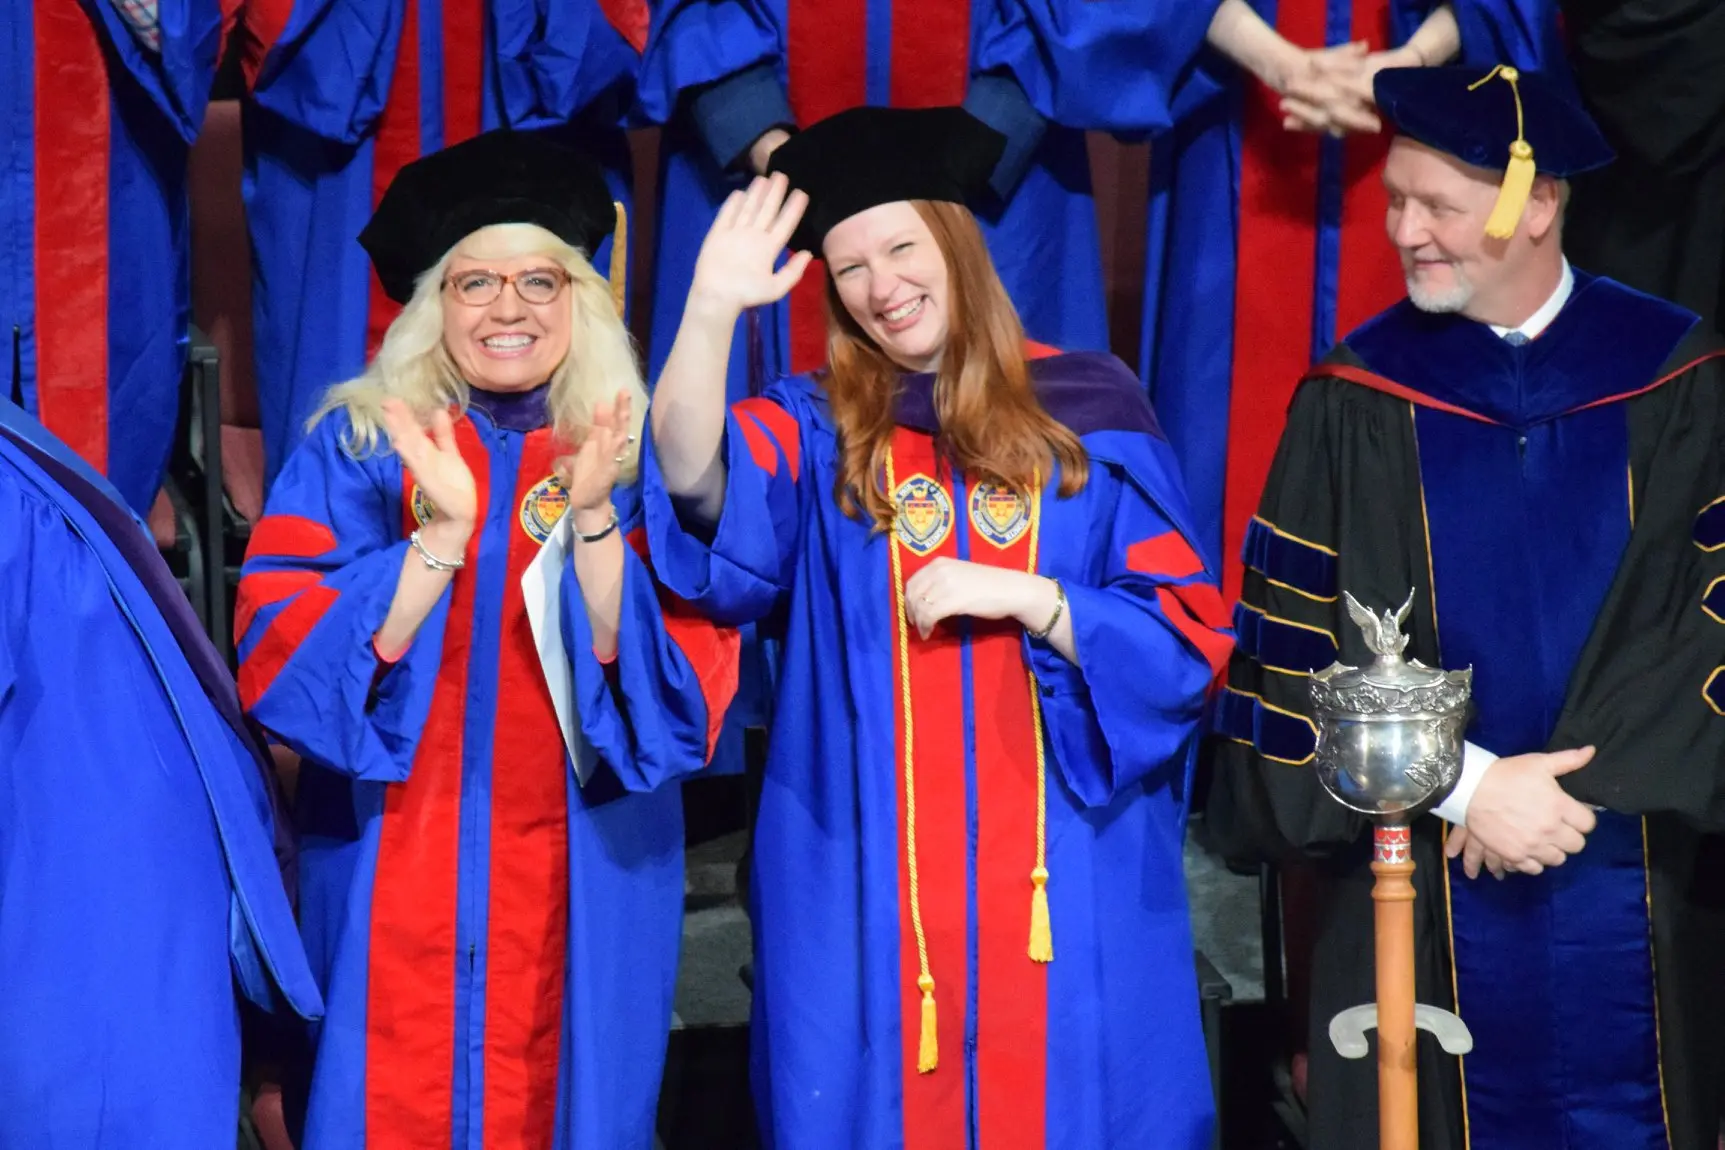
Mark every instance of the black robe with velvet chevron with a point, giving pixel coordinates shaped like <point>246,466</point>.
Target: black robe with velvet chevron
<point>1563,532</point>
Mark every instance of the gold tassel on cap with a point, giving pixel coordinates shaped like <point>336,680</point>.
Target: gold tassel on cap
<point>1518,176</point>
<point>620,259</point>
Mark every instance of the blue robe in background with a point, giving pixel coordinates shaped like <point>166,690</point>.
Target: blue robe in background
<point>1102,1046</point>
<point>1265,245</point>
<point>95,125</point>
<point>141,887</point>
<point>719,73</point>
<point>344,93</point>
<point>496,940</point>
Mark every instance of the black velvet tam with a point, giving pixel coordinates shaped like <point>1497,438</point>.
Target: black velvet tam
<point>865,157</point>
<point>501,177</point>
<point>1436,107</point>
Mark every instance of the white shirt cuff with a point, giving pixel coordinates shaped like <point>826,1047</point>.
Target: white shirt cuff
<point>1474,761</point>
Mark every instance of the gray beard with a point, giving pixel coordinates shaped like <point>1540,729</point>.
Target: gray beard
<point>1447,302</point>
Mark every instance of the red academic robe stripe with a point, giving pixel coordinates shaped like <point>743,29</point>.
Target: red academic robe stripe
<point>782,427</point>
<point>930,52</point>
<point>263,589</point>
<point>528,923</point>
<point>1197,612</point>
<point>71,131</point>
<point>286,632</point>
<point>397,144</point>
<point>1168,555</point>
<point>463,69</point>
<point>1274,287</point>
<point>825,49</point>
<point>290,537</point>
<point>713,652</point>
<point>934,1104</point>
<point>1369,275</point>
<point>1012,991</point>
<point>411,975</point>
<point>631,19</point>
<point>262,23</point>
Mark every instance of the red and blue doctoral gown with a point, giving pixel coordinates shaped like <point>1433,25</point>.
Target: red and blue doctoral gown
<point>96,131</point>
<point>344,93</point>
<point>1265,245</point>
<point>1102,1046</point>
<point>497,941</point>
<point>721,73</point>
<point>139,865</point>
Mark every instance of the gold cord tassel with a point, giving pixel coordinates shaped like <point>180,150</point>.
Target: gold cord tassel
<point>928,1045</point>
<point>1041,933</point>
<point>1518,176</point>
<point>1041,940</point>
<point>620,259</point>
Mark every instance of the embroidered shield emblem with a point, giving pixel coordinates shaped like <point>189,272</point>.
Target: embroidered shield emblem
<point>998,514</point>
<point>924,514</point>
<point>422,508</point>
<point>542,507</point>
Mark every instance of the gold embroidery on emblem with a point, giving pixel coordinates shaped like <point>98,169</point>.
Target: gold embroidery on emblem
<point>421,504</point>
<point>924,514</point>
<point>543,507</point>
<point>998,514</point>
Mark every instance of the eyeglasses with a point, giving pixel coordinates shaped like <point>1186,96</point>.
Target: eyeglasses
<point>535,285</point>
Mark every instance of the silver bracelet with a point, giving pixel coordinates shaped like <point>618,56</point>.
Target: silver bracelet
<point>599,534</point>
<point>433,561</point>
<point>1059,608</point>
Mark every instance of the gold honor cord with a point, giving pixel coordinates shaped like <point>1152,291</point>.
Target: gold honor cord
<point>1041,948</point>
<point>620,259</point>
<point>1518,176</point>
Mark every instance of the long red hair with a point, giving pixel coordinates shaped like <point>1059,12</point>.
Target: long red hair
<point>991,424</point>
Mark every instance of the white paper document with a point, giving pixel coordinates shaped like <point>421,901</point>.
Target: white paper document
<point>541,586</point>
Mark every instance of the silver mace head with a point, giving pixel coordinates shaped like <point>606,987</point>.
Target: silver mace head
<point>1390,733</point>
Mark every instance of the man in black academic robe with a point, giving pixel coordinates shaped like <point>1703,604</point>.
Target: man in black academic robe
<point>1539,454</point>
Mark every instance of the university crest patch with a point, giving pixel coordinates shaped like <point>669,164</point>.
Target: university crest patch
<point>924,514</point>
<point>998,514</point>
<point>543,507</point>
<point>422,507</point>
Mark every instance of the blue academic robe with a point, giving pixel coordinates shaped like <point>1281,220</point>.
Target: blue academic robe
<point>344,93</point>
<point>138,867</point>
<point>96,129</point>
<point>721,72</point>
<point>1265,245</point>
<point>1102,1046</point>
<point>497,941</point>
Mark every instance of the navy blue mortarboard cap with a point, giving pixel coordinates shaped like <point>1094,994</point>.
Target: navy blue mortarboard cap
<point>867,156</point>
<point>1499,118</point>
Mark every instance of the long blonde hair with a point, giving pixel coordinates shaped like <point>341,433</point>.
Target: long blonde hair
<point>413,365</point>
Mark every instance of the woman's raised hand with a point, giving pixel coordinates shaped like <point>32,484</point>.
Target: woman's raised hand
<point>430,454</point>
<point>735,268</point>
<point>590,471</point>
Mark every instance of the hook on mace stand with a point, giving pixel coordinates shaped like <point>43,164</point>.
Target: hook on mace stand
<point>1395,1015</point>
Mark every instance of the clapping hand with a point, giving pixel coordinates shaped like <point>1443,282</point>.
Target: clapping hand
<point>735,268</point>
<point>429,452</point>
<point>590,472</point>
